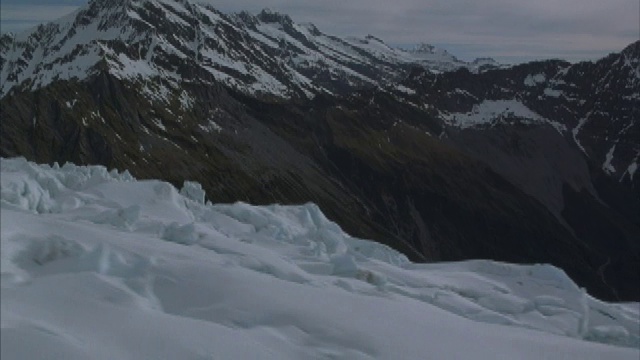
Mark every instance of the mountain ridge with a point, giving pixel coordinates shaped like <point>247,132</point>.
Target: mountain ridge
<point>202,33</point>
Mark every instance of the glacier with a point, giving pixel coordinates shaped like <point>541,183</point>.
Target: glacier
<point>98,265</point>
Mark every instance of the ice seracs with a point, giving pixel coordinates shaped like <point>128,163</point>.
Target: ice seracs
<point>98,265</point>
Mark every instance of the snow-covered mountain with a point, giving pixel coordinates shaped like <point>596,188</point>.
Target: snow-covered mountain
<point>97,265</point>
<point>437,158</point>
<point>596,104</point>
<point>440,60</point>
<point>180,40</point>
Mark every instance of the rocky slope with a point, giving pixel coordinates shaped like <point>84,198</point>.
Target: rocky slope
<point>438,158</point>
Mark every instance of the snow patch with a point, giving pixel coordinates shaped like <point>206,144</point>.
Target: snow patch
<point>553,93</point>
<point>489,112</point>
<point>210,127</point>
<point>186,101</point>
<point>607,166</point>
<point>158,123</point>
<point>533,80</point>
<point>405,89</point>
<point>71,104</point>
<point>632,169</point>
<point>576,131</point>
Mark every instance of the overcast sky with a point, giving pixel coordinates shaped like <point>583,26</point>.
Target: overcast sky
<point>507,30</point>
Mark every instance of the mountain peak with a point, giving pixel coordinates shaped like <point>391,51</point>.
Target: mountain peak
<point>371,37</point>
<point>269,16</point>
<point>632,50</point>
<point>485,61</point>
<point>425,48</point>
<point>175,39</point>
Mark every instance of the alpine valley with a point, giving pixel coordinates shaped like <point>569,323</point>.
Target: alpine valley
<point>438,158</point>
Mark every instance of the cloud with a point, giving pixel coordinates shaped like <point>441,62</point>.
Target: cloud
<point>19,17</point>
<point>572,29</point>
<point>34,13</point>
<point>508,30</point>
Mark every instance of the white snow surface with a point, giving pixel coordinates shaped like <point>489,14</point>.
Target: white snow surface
<point>632,169</point>
<point>533,80</point>
<point>490,112</point>
<point>97,265</point>
<point>607,166</point>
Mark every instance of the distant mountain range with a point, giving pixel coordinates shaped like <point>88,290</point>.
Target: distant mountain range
<point>267,54</point>
<point>436,157</point>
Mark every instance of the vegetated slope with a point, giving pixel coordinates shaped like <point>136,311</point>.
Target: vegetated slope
<point>513,164</point>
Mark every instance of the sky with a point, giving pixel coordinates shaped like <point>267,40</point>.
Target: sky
<point>507,30</point>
